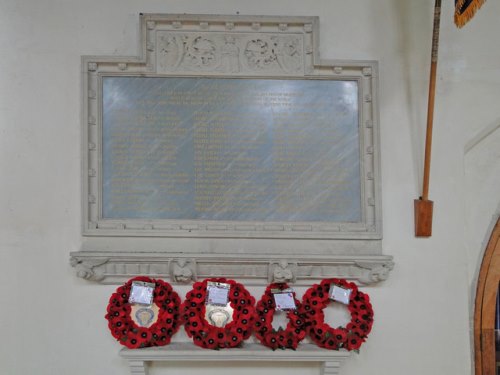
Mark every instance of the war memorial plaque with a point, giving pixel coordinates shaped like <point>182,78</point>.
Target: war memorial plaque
<point>228,148</point>
<point>231,149</point>
<point>230,128</point>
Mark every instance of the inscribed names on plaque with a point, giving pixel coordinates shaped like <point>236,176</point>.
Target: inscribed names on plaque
<point>183,148</point>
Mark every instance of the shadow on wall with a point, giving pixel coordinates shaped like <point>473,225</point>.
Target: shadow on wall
<point>481,136</point>
<point>414,22</point>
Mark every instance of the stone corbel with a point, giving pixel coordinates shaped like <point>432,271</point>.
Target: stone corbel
<point>282,271</point>
<point>183,271</point>
<point>374,272</point>
<point>89,269</point>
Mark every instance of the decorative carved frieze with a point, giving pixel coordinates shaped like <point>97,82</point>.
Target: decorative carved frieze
<point>116,268</point>
<point>243,53</point>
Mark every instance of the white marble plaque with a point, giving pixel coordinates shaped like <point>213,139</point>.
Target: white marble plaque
<point>231,149</point>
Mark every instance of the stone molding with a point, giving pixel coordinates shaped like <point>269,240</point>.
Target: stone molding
<point>116,268</point>
<point>138,359</point>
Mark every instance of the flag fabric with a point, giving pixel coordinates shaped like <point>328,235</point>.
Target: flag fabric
<point>465,10</point>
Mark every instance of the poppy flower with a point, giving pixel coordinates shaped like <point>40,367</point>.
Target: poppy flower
<point>317,303</point>
<point>234,293</point>
<point>211,341</point>
<point>123,291</point>
<point>340,335</point>
<point>367,316</point>
<point>296,318</point>
<point>199,286</point>
<point>282,338</point>
<point>353,342</point>
<point>364,327</point>
<point>115,297</point>
<point>330,343</point>
<point>197,322</point>
<point>221,338</point>
<point>198,340</point>
<point>132,341</point>
<point>271,341</point>
<point>300,335</point>
<point>144,335</point>
<point>234,339</point>
<point>245,321</point>
<point>292,342</point>
<point>196,296</point>
<point>247,314</point>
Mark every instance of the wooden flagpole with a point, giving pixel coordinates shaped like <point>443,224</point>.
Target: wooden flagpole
<point>423,206</point>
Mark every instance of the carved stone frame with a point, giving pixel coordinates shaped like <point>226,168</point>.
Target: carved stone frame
<point>353,250</point>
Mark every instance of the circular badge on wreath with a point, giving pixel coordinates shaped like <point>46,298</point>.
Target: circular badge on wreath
<point>217,327</point>
<point>354,333</point>
<point>282,338</point>
<point>140,326</point>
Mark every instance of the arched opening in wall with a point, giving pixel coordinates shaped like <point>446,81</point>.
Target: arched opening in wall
<point>485,312</point>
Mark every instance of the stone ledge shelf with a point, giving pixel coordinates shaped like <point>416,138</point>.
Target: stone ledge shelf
<point>181,268</point>
<point>187,352</point>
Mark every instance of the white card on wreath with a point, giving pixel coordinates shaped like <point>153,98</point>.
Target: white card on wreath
<point>141,293</point>
<point>340,294</point>
<point>217,293</point>
<point>284,301</point>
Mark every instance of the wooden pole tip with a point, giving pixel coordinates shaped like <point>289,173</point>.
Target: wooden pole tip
<point>423,217</point>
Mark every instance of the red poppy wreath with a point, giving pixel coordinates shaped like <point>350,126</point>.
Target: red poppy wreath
<point>153,333</point>
<point>354,333</point>
<point>206,335</point>
<point>288,337</point>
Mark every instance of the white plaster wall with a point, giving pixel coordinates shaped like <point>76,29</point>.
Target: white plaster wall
<point>53,323</point>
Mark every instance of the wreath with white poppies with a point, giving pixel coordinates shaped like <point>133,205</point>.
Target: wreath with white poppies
<point>209,336</point>
<point>127,332</point>
<point>354,333</point>
<point>282,338</point>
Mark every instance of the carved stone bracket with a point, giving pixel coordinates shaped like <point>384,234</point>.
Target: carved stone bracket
<point>282,272</point>
<point>375,272</point>
<point>183,271</point>
<point>91,269</point>
<point>117,268</point>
